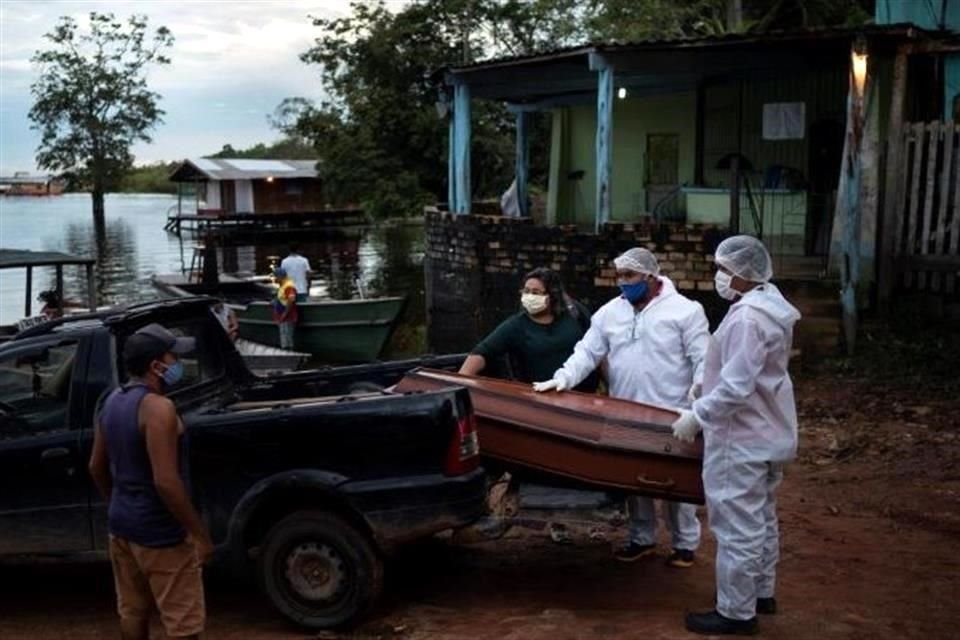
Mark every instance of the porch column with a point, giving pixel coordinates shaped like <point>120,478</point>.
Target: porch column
<point>522,161</point>
<point>451,162</point>
<point>604,145</point>
<point>856,157</point>
<point>461,124</point>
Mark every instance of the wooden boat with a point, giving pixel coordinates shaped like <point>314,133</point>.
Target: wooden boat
<point>335,331</point>
<point>595,440</point>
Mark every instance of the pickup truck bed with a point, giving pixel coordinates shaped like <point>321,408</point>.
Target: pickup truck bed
<point>306,479</point>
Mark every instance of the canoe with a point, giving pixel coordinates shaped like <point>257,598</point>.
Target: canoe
<point>265,359</point>
<point>334,331</point>
<point>604,443</point>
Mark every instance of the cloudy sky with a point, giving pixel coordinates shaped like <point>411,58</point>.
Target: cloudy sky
<point>232,63</point>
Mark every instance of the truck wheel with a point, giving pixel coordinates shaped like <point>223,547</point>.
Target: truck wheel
<point>320,571</point>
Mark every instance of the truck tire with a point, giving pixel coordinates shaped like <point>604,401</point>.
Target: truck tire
<point>319,570</point>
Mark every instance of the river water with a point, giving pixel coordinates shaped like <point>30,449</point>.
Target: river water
<point>381,260</point>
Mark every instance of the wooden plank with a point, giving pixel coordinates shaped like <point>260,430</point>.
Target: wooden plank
<point>28,301</point>
<point>945,182</point>
<point>954,247</point>
<point>919,135</point>
<point>933,131</point>
<point>903,179</point>
<point>892,220</point>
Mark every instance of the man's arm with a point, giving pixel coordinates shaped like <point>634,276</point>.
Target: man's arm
<point>161,432</point>
<point>696,339</point>
<point>587,354</point>
<point>100,463</point>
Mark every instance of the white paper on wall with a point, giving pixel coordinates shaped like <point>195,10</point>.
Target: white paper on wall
<point>784,120</point>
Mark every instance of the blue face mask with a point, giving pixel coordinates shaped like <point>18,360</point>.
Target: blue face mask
<point>635,292</point>
<point>173,374</point>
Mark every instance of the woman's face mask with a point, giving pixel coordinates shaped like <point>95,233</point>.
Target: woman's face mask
<point>534,303</point>
<point>722,280</point>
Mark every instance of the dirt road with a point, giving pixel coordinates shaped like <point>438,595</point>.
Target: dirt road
<point>870,520</point>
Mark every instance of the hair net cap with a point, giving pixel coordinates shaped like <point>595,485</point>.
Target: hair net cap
<point>746,257</point>
<point>638,259</point>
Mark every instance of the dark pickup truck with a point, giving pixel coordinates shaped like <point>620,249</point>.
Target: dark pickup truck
<point>308,478</point>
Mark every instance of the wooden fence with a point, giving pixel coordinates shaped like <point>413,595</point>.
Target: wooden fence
<point>925,215</point>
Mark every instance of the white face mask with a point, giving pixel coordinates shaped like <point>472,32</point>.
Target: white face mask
<point>722,282</point>
<point>533,303</point>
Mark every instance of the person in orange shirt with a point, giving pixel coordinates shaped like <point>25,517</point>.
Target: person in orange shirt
<point>285,308</point>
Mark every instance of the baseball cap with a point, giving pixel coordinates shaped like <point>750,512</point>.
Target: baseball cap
<point>154,340</point>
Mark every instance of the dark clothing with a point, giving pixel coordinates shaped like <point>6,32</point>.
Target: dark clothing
<point>535,350</point>
<point>136,512</point>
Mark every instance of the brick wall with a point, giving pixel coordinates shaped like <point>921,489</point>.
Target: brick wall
<point>474,265</point>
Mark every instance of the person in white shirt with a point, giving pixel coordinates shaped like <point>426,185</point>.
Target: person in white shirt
<point>749,419</point>
<point>654,340</point>
<point>297,268</point>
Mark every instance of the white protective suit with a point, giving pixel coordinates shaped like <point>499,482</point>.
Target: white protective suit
<point>749,422</point>
<point>652,355</point>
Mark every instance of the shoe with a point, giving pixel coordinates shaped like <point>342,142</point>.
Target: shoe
<point>681,558</point>
<point>714,624</point>
<point>633,551</point>
<point>767,606</point>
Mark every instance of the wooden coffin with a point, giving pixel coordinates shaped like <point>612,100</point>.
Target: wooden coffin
<point>598,441</point>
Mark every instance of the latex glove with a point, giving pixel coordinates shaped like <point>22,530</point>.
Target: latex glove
<point>686,427</point>
<point>549,385</point>
<point>695,391</point>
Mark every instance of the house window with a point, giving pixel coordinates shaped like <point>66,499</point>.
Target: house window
<point>293,188</point>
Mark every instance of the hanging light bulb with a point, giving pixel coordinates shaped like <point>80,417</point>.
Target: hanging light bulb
<point>622,93</point>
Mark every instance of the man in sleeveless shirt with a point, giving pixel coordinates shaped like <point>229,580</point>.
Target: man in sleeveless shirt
<point>158,542</point>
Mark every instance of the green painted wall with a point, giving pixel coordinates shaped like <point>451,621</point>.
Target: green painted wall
<point>633,120</point>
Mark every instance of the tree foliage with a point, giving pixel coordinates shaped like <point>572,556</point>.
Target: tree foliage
<point>91,100</point>
<point>380,134</point>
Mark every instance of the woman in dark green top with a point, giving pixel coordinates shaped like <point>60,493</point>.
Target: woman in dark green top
<point>539,339</point>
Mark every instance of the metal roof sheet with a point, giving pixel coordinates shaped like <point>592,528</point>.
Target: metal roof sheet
<point>243,169</point>
<point>902,30</point>
<point>14,258</point>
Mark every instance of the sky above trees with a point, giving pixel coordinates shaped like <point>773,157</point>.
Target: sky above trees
<point>232,63</point>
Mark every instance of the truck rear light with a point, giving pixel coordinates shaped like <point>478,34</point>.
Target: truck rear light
<point>463,453</point>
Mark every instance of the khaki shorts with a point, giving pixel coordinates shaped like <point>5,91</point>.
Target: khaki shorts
<point>169,579</point>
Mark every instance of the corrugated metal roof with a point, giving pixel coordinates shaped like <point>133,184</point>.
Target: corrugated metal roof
<point>901,30</point>
<point>245,169</point>
<point>13,258</point>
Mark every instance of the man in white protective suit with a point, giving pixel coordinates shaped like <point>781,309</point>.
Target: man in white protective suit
<point>654,340</point>
<point>749,421</point>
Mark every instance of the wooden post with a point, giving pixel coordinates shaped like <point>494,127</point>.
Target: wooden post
<point>934,131</point>
<point>522,161</point>
<point>604,142</point>
<point>28,304</point>
<point>461,116</point>
<point>60,289</point>
<point>91,288</point>
<point>179,199</point>
<point>892,207</point>
<point>945,175</point>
